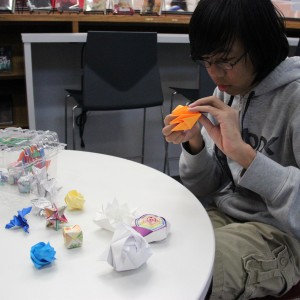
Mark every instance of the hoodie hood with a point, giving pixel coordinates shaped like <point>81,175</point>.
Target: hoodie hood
<point>286,72</point>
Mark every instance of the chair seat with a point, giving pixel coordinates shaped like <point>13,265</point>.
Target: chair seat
<point>190,94</point>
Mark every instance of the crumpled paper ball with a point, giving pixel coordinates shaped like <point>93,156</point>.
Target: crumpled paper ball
<point>113,214</point>
<point>74,200</point>
<point>152,227</point>
<point>42,254</point>
<point>128,249</point>
<point>73,236</point>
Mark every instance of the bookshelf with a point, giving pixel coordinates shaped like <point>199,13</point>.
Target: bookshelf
<point>12,83</point>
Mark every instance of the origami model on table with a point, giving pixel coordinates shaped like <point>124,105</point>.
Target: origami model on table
<point>73,236</point>
<point>74,200</point>
<point>152,227</point>
<point>128,249</point>
<point>55,216</point>
<point>185,119</point>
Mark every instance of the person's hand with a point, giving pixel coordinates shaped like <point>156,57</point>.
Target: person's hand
<point>193,136</point>
<point>226,134</point>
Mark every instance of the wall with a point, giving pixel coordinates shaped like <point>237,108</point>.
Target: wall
<point>57,67</point>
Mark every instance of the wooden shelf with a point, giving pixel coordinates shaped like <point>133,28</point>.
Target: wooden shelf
<point>75,19</point>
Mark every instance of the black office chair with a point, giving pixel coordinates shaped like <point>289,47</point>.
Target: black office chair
<point>205,87</point>
<point>120,72</point>
<point>297,51</point>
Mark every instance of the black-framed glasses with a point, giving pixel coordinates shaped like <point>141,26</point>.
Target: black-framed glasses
<point>224,65</point>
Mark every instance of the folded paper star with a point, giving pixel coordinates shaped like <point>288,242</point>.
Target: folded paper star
<point>185,119</point>
<point>20,220</point>
<point>55,216</point>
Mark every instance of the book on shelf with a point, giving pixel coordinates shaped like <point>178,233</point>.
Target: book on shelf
<point>6,109</point>
<point>5,59</point>
<point>123,7</point>
<point>39,5</point>
<point>180,6</point>
<point>69,5</point>
<point>95,6</point>
<point>21,6</point>
<point>151,7</point>
<point>7,6</point>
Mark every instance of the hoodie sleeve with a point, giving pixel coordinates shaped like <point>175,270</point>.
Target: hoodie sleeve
<point>280,191</point>
<point>200,173</point>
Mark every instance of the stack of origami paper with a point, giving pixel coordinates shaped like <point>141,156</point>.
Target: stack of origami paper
<point>185,119</point>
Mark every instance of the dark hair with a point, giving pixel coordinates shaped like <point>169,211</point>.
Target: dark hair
<point>257,24</point>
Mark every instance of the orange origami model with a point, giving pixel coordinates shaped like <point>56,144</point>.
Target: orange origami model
<point>185,119</point>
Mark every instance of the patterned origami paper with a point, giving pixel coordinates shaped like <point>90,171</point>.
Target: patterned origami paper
<point>73,236</point>
<point>74,200</point>
<point>55,216</point>
<point>42,254</point>
<point>40,204</point>
<point>20,220</point>
<point>113,214</point>
<point>185,119</point>
<point>152,227</point>
<point>128,249</point>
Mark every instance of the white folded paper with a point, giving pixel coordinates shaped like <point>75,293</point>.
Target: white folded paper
<point>113,214</point>
<point>128,249</point>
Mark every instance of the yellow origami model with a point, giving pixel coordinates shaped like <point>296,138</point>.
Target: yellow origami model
<point>74,200</point>
<point>185,119</point>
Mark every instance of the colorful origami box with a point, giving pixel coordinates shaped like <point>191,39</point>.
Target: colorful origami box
<point>73,236</point>
<point>152,227</point>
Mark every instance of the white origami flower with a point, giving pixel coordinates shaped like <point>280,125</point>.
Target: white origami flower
<point>128,249</point>
<point>113,214</point>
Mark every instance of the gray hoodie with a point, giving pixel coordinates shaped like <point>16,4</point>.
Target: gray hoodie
<point>269,190</point>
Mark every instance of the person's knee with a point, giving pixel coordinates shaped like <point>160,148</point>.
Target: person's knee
<point>247,266</point>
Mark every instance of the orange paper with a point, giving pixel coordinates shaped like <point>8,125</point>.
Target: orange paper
<point>185,119</point>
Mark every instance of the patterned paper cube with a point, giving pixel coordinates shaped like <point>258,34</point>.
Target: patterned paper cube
<point>72,236</point>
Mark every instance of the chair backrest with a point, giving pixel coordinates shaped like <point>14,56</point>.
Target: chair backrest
<point>297,51</point>
<point>121,71</point>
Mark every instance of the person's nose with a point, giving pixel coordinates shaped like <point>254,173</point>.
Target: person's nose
<point>215,71</point>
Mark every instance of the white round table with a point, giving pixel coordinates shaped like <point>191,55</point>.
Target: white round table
<point>180,267</point>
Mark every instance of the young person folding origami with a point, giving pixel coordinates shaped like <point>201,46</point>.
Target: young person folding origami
<point>242,157</point>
